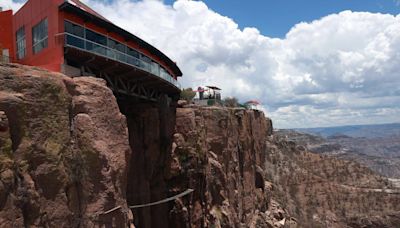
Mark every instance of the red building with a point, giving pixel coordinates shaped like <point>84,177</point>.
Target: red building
<point>69,37</point>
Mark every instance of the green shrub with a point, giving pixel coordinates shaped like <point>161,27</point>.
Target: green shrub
<point>231,102</point>
<point>187,94</point>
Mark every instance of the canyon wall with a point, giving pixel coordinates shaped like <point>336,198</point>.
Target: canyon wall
<point>74,155</point>
<point>220,153</point>
<point>63,151</point>
<point>323,191</point>
<point>151,128</point>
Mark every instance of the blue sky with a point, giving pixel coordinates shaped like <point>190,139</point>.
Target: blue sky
<point>275,18</point>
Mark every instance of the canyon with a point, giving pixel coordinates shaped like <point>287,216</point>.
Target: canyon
<point>374,146</point>
<point>73,154</point>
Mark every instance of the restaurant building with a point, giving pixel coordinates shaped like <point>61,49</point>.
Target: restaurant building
<point>69,37</point>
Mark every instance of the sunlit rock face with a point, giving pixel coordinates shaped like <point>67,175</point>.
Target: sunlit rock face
<point>63,151</point>
<point>220,152</point>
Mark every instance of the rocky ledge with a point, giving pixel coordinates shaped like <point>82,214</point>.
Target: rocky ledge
<point>220,152</point>
<point>69,158</point>
<point>63,151</point>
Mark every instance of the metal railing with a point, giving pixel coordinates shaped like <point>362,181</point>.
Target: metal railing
<point>107,52</point>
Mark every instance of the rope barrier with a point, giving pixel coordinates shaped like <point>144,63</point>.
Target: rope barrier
<point>111,210</point>
<point>188,191</point>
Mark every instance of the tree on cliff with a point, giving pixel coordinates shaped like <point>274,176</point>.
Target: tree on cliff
<point>231,102</point>
<point>187,94</point>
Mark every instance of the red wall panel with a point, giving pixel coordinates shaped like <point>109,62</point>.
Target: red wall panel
<point>52,57</point>
<point>6,32</point>
<point>31,14</point>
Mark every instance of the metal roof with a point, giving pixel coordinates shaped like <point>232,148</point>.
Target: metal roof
<point>84,7</point>
<point>213,87</point>
<point>78,8</point>
<point>254,102</point>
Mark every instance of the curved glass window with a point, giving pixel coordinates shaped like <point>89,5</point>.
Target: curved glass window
<point>96,37</point>
<point>77,31</point>
<point>74,29</point>
<point>85,39</point>
<point>116,45</point>
<point>133,52</point>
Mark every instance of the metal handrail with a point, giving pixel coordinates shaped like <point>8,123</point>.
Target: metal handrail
<point>119,56</point>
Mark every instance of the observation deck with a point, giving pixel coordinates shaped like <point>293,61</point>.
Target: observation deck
<point>95,46</point>
<point>125,74</point>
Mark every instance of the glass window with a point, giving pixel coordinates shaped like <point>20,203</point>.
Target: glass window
<point>145,58</point>
<point>133,53</point>
<point>21,43</point>
<point>40,36</point>
<point>96,37</point>
<point>74,29</point>
<point>116,45</point>
<point>75,35</point>
<point>154,68</point>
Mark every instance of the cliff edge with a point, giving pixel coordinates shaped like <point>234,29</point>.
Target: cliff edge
<point>220,152</point>
<point>74,155</point>
<point>63,151</point>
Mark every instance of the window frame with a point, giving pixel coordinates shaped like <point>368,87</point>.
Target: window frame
<point>88,31</point>
<point>43,40</point>
<point>74,25</point>
<point>21,43</point>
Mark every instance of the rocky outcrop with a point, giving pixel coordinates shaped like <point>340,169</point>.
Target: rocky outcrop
<point>220,153</point>
<point>63,151</point>
<point>322,191</point>
<point>74,155</point>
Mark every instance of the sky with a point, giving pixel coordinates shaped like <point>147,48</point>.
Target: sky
<point>310,63</point>
<point>274,18</point>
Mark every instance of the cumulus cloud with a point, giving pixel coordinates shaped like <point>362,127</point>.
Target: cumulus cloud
<point>10,4</point>
<point>340,69</point>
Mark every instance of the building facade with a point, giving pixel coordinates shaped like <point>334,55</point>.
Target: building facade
<point>69,37</point>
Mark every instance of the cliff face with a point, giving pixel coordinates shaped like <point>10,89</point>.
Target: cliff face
<point>70,158</point>
<point>63,151</point>
<point>220,153</point>
<point>74,155</point>
<point>151,128</point>
<point>322,191</point>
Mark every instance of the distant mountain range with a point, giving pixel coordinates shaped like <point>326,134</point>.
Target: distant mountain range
<point>375,146</point>
<point>367,131</point>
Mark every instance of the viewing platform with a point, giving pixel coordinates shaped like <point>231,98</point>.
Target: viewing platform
<point>135,76</point>
<point>72,41</point>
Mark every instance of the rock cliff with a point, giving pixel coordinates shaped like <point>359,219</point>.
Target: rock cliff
<point>63,151</point>
<point>322,191</point>
<point>220,153</point>
<point>72,154</point>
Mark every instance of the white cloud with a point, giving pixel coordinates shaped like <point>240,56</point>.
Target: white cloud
<point>10,4</point>
<point>341,69</point>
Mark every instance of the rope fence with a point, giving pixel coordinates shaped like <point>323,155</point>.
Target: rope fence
<point>188,191</point>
